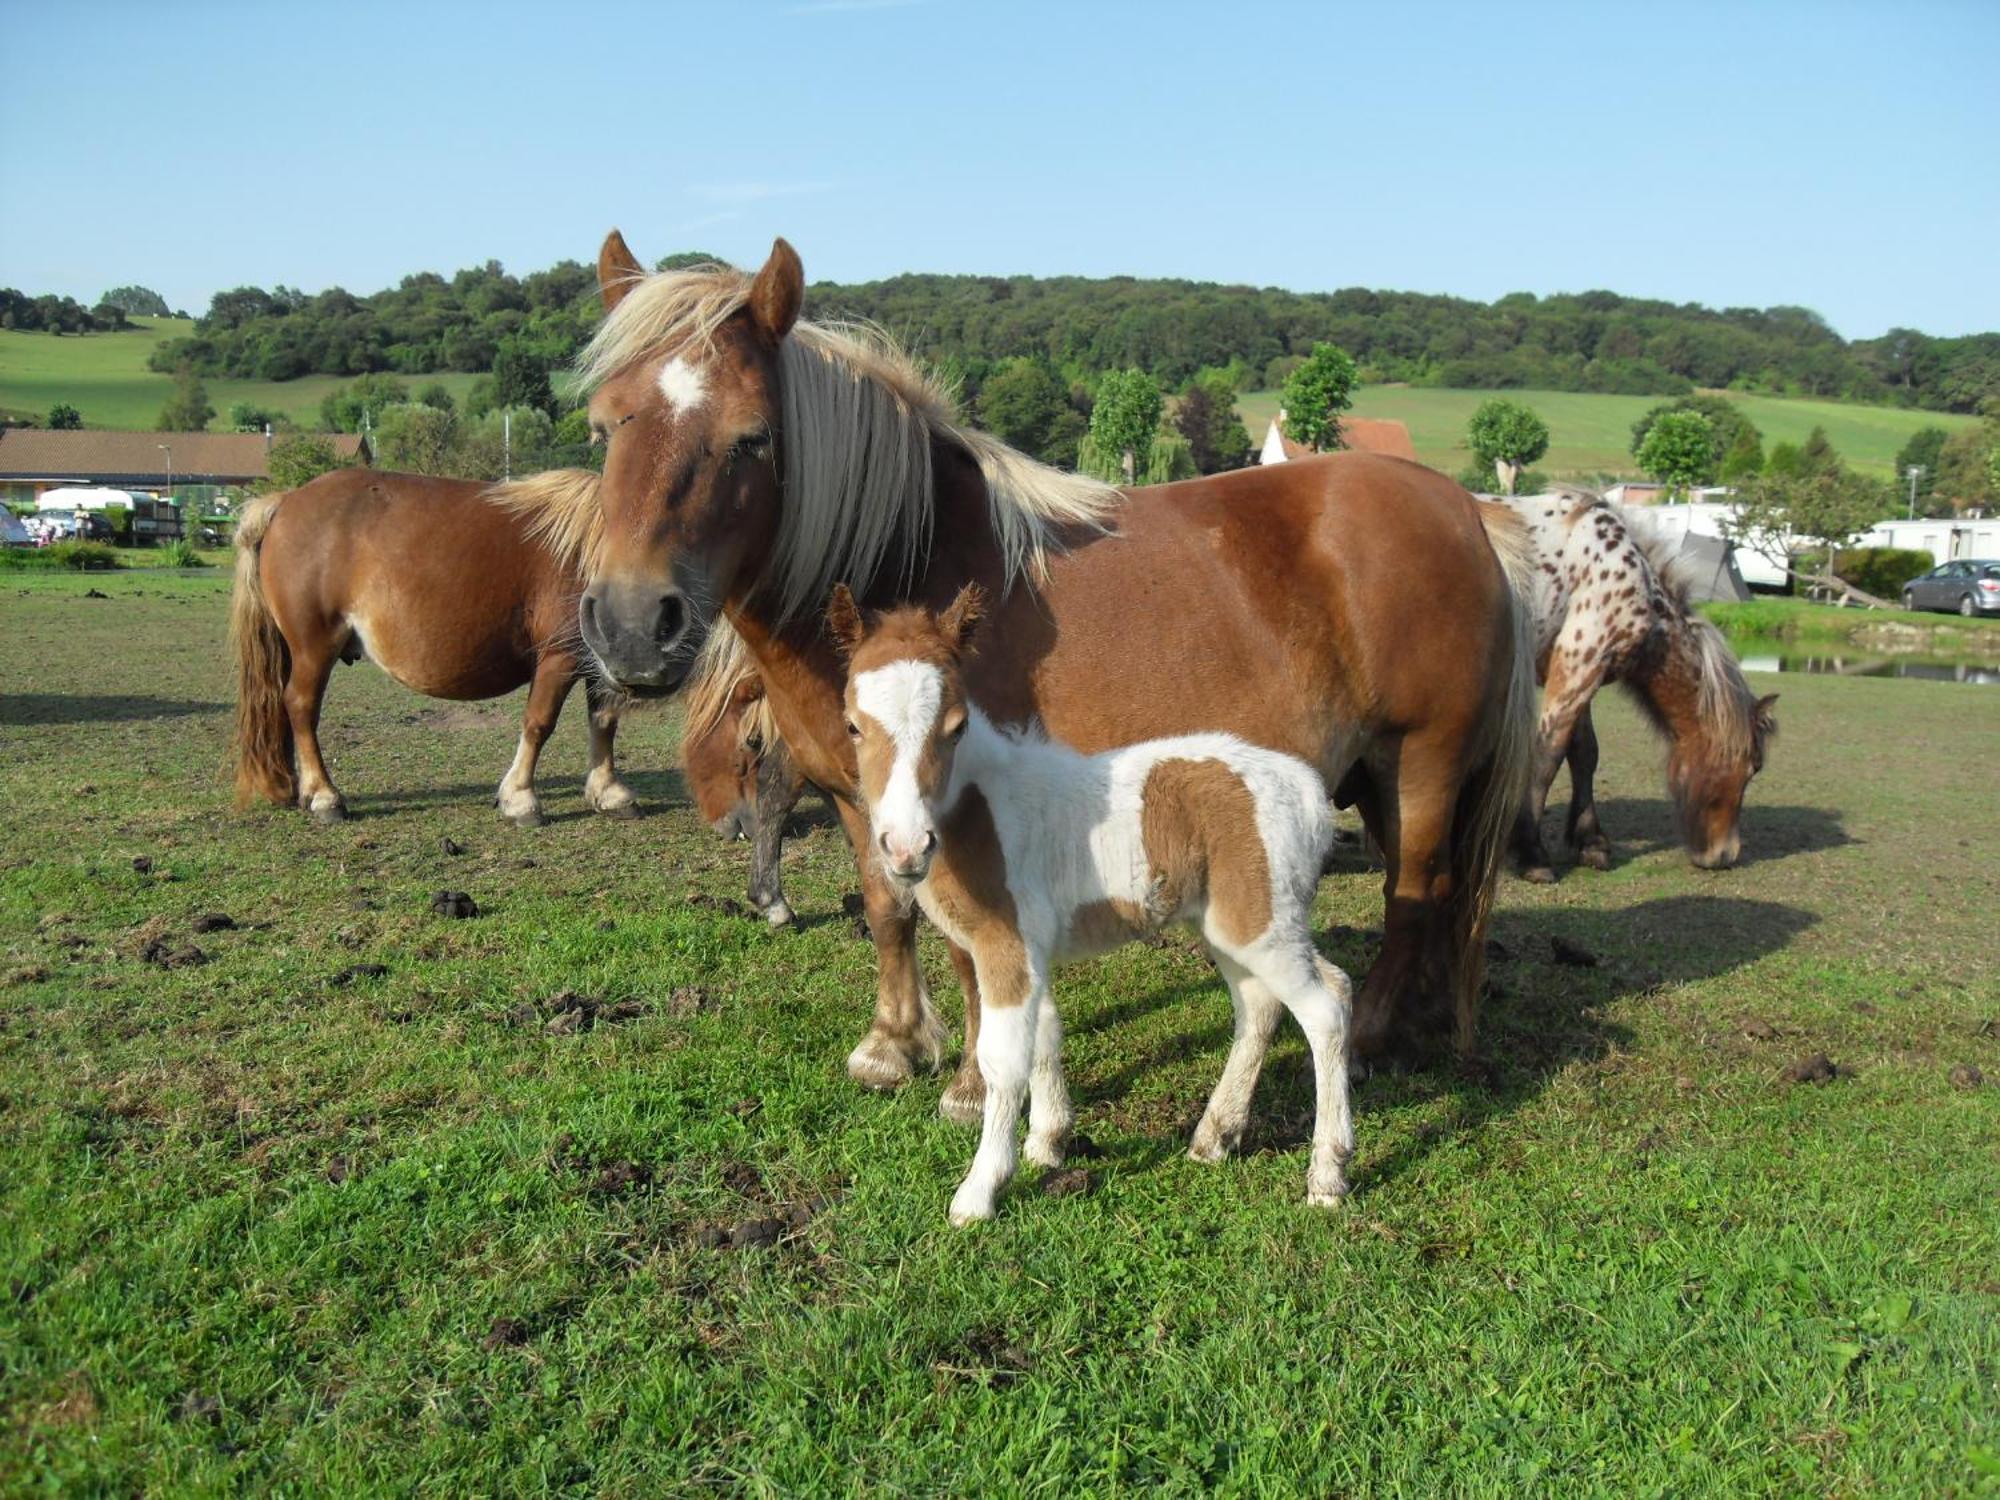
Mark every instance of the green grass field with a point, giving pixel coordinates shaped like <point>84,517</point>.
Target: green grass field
<point>104,376</point>
<point>1592,434</point>
<point>271,1222</point>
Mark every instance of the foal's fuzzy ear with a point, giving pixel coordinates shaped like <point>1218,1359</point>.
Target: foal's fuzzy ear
<point>778,292</point>
<point>618,270</point>
<point>843,619</point>
<point>960,623</point>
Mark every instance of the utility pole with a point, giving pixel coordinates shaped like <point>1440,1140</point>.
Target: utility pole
<point>1916,472</point>
<point>506,443</point>
<point>168,449</point>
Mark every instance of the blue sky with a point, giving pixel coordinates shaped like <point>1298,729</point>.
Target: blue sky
<point>1841,156</point>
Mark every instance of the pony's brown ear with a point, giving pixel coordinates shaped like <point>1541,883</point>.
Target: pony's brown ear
<point>778,292</point>
<point>1765,720</point>
<point>746,692</point>
<point>843,619</point>
<point>618,270</point>
<point>960,622</point>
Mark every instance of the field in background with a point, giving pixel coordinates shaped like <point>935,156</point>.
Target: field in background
<point>104,376</point>
<point>276,1220</point>
<point>1590,434</point>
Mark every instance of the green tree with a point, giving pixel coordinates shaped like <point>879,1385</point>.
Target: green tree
<point>1021,402</point>
<point>521,376</point>
<point>137,302</point>
<point>418,438</point>
<point>294,460</point>
<point>1509,437</point>
<point>1314,396</point>
<point>189,410</point>
<point>1168,457</point>
<point>1784,460</point>
<point>346,409</point>
<point>1824,506</point>
<point>1923,451</point>
<point>484,449</point>
<point>1726,423</point>
<point>65,418</point>
<point>1818,456</point>
<point>436,395</point>
<point>1965,477</point>
<point>1679,451</point>
<point>1745,457</point>
<point>1123,421</point>
<point>247,416</point>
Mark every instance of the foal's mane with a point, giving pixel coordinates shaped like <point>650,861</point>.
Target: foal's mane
<point>1724,701</point>
<point>858,421</point>
<point>559,509</point>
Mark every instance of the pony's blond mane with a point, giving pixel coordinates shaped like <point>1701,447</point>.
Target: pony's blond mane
<point>559,507</point>
<point>724,663</point>
<point>858,421</point>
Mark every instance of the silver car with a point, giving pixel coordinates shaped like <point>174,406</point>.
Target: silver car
<point>1970,586</point>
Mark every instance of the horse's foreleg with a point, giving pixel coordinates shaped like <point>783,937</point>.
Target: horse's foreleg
<point>964,1098</point>
<point>1586,837</point>
<point>546,690</point>
<point>1565,697</point>
<point>906,1034</point>
<point>305,690</point>
<point>602,790</point>
<point>778,788</point>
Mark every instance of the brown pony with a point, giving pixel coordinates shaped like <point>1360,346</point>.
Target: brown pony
<point>755,459</point>
<point>457,589</point>
<point>742,778</point>
<point>1611,605</point>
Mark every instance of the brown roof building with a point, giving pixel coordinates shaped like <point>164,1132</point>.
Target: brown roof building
<point>1360,434</point>
<point>34,459</point>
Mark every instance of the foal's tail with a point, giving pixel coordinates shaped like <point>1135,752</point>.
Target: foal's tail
<point>263,746</point>
<point>1492,795</point>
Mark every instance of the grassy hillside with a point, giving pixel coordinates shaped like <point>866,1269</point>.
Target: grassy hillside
<point>104,376</point>
<point>1591,433</point>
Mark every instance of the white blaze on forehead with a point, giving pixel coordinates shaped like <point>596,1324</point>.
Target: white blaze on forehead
<point>904,698</point>
<point>684,385</point>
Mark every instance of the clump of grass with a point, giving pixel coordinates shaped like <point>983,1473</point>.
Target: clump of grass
<point>80,557</point>
<point>182,554</point>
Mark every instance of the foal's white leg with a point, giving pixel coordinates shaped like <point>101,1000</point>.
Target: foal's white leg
<point>1257,1013</point>
<point>1320,996</point>
<point>1050,1117</point>
<point>1006,1052</point>
<point>602,790</point>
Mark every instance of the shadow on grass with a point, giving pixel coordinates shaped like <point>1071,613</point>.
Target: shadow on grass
<point>562,796</point>
<point>1647,825</point>
<point>77,708</point>
<point>1542,1017</point>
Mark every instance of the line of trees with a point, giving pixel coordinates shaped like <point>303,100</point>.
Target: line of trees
<point>58,314</point>
<point>975,327</point>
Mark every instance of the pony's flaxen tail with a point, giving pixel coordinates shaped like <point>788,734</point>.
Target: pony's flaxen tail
<point>263,745</point>
<point>1492,795</point>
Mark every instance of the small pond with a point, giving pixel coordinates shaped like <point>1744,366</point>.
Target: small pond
<point>1761,654</point>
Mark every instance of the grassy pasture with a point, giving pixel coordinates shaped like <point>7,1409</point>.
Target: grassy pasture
<point>1590,433</point>
<point>269,1223</point>
<point>104,376</point>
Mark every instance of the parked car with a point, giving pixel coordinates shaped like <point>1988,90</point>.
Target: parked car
<point>52,526</point>
<point>1969,585</point>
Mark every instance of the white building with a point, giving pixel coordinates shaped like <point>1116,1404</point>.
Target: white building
<point>1945,540</point>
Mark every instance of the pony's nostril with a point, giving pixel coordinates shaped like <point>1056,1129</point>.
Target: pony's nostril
<point>587,610</point>
<point>672,612</point>
<point>883,840</point>
<point>930,842</point>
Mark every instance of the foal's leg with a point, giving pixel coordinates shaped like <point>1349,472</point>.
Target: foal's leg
<point>1257,1011</point>
<point>305,690</point>
<point>778,789</point>
<point>1050,1118</point>
<point>1006,1054</point>
<point>906,1034</point>
<point>1317,994</point>
<point>1586,837</point>
<point>546,691</point>
<point>602,790</point>
<point>964,1099</point>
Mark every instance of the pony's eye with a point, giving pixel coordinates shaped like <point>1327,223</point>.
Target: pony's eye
<point>853,730</point>
<point>959,732</point>
<point>756,447</point>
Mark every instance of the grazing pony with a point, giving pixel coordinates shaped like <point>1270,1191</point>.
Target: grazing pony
<point>1027,853</point>
<point>457,589</point>
<point>744,782</point>
<point>754,459</point>
<point>1612,605</point>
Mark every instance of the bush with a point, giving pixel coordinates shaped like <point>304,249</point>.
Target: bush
<point>84,557</point>
<point>181,554</point>
<point>1881,571</point>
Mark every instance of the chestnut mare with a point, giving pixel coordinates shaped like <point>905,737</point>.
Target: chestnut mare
<point>457,589</point>
<point>1348,610</point>
<point>1611,605</point>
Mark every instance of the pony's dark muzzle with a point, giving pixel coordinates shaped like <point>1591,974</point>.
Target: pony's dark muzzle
<point>635,633</point>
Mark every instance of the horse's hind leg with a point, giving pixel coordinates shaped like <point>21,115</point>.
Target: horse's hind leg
<point>546,691</point>
<point>1257,1011</point>
<point>1586,837</point>
<point>305,690</point>
<point>602,790</point>
<point>778,789</point>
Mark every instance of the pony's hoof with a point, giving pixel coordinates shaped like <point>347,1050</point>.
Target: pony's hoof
<point>779,914</point>
<point>1045,1152</point>
<point>532,818</point>
<point>1327,1197</point>
<point>330,814</point>
<point>1594,857</point>
<point>964,1099</point>
<point>967,1211</point>
<point>1538,874</point>
<point>624,812</point>
<point>880,1063</point>
<point>1210,1145</point>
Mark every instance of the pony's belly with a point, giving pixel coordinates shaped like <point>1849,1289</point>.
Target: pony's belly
<point>462,665</point>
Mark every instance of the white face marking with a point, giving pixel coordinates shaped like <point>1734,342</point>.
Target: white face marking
<point>685,386</point>
<point>904,698</point>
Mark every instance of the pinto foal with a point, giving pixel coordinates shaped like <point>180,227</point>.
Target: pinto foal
<point>1027,853</point>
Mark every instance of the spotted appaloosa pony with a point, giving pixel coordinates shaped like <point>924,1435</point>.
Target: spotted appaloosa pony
<point>455,588</point>
<point>755,459</point>
<point>1026,853</point>
<point>1612,605</point>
